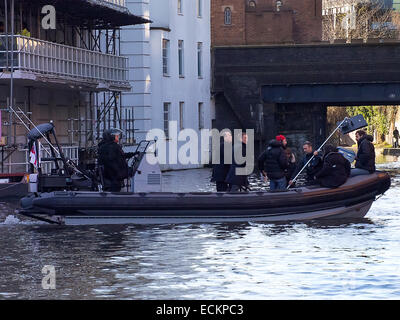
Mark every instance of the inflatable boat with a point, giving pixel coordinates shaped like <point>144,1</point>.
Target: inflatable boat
<point>351,200</point>
<point>13,186</point>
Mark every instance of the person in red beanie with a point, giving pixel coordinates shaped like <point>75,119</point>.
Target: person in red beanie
<point>282,139</point>
<point>273,162</point>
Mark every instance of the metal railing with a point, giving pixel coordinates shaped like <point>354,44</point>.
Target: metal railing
<point>118,3</point>
<point>84,130</point>
<point>70,152</point>
<point>65,61</point>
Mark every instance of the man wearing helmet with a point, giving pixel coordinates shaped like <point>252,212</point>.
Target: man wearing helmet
<point>113,160</point>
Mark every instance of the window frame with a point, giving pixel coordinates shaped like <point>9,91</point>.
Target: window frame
<point>180,7</point>
<point>165,57</point>
<point>200,60</point>
<point>181,59</point>
<point>199,8</point>
<point>166,111</point>
<point>200,107</point>
<point>181,115</point>
<point>227,16</point>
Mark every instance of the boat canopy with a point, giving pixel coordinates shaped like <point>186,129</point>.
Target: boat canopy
<point>40,131</point>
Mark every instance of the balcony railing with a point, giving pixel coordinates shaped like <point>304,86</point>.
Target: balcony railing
<point>117,4</point>
<point>121,3</point>
<point>50,58</point>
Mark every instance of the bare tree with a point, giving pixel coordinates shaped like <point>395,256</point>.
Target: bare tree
<point>358,19</point>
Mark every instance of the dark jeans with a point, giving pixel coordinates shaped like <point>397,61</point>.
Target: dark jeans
<point>222,186</point>
<point>236,188</point>
<point>279,184</point>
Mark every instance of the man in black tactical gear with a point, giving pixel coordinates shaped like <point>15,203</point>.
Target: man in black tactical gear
<point>113,160</point>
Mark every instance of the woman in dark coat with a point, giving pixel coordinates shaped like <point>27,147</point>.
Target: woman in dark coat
<point>335,169</point>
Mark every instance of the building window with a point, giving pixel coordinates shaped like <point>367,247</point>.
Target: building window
<point>227,16</point>
<point>201,116</point>
<point>199,59</point>
<point>180,58</point>
<point>199,8</point>
<point>167,109</point>
<point>181,115</point>
<point>165,56</point>
<point>180,7</point>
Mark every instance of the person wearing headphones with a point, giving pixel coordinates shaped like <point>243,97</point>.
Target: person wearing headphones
<point>113,160</point>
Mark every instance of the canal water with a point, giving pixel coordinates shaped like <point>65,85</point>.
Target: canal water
<point>357,259</point>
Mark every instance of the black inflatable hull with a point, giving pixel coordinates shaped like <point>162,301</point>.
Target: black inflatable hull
<point>352,200</point>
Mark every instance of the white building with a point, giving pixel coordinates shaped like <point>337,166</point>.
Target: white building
<point>169,68</point>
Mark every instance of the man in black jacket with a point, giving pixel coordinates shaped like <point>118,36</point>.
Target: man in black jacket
<point>220,170</point>
<point>365,159</point>
<point>335,169</point>
<point>113,160</point>
<point>273,162</point>
<point>238,182</point>
<point>313,167</point>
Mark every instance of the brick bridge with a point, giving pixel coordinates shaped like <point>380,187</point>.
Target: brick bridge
<point>286,89</point>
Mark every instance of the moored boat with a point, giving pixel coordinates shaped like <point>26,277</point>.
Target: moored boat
<point>13,186</point>
<point>351,200</point>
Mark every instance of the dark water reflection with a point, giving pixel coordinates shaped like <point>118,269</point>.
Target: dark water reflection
<point>357,259</point>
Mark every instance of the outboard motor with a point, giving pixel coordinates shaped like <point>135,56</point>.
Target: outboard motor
<point>146,172</point>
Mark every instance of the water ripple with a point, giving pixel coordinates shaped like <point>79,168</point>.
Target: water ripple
<point>357,259</point>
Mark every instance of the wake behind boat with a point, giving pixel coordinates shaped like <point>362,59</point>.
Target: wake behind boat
<point>351,200</point>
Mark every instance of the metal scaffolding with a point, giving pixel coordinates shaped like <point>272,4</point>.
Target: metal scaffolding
<point>83,53</point>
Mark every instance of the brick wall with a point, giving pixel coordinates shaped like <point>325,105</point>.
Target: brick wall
<point>269,27</point>
<point>298,21</point>
<point>222,34</point>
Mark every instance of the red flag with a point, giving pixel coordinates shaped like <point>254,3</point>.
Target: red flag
<point>34,156</point>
